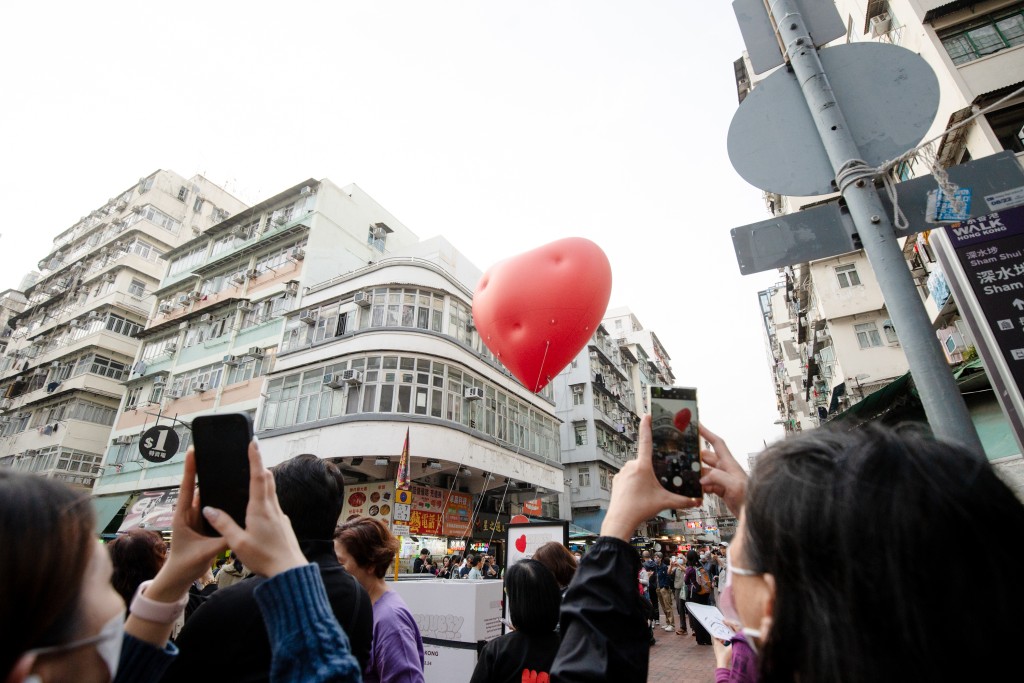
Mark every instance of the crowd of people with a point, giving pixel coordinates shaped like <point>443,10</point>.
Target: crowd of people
<point>810,594</point>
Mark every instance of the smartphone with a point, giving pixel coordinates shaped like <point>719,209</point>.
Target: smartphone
<point>222,464</point>
<point>676,440</point>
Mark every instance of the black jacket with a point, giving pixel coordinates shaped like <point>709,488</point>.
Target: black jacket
<point>515,657</point>
<point>604,634</point>
<point>226,635</point>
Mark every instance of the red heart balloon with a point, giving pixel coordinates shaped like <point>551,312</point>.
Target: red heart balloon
<point>535,311</point>
<point>682,419</point>
<point>521,543</point>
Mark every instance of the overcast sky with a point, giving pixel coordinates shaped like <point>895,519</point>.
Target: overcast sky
<point>499,125</point>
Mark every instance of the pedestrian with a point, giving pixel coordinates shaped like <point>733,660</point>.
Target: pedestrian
<point>137,556</point>
<point>232,572</point>
<point>474,568</point>
<point>698,586</point>
<point>678,573</point>
<point>526,652</point>
<point>651,567</point>
<point>64,621</point>
<point>559,561</point>
<point>423,563</point>
<point>310,490</point>
<point>665,594</point>
<point>445,571</point>
<point>367,550</point>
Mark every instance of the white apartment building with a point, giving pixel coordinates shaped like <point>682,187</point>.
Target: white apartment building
<point>12,302</point>
<point>830,338</point>
<point>72,345</point>
<point>323,317</point>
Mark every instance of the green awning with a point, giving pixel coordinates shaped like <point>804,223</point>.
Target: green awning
<point>106,507</point>
<point>576,531</point>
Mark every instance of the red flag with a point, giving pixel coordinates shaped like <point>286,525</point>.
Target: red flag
<point>402,479</point>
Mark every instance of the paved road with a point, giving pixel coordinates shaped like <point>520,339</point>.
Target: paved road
<point>679,659</point>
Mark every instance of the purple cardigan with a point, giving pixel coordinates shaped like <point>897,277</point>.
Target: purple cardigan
<point>744,663</point>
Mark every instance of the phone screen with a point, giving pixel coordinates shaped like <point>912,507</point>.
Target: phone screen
<point>222,464</point>
<point>676,440</point>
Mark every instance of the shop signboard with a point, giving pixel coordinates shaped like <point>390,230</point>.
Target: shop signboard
<point>457,514</point>
<point>152,510</point>
<point>374,499</point>
<point>425,516</point>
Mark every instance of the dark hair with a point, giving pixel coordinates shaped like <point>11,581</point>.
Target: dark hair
<point>369,543</point>
<point>814,501</point>
<point>692,558</point>
<point>559,561</point>
<point>424,551</point>
<point>137,556</point>
<point>534,597</point>
<point>311,492</point>
<point>474,560</point>
<point>48,537</point>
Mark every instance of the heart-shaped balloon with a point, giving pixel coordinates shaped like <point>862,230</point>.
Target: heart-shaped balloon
<point>535,311</point>
<point>682,419</point>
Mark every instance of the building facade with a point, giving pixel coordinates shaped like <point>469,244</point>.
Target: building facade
<point>328,322</point>
<point>73,344</point>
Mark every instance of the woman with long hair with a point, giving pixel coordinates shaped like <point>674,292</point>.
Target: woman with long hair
<point>137,556</point>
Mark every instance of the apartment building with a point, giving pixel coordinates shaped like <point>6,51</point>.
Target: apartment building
<point>12,302</point>
<point>73,342</point>
<point>390,348</point>
<point>830,339</point>
<point>324,318</point>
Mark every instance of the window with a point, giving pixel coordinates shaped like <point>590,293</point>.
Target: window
<point>376,237</point>
<point>581,435</point>
<point>867,335</point>
<point>145,185</point>
<point>131,397</point>
<point>985,35</point>
<point>108,368</point>
<point>186,261</point>
<point>584,476</point>
<point>603,477</point>
<point>137,288</point>
<point>119,325</point>
<point>197,205</point>
<point>577,395</point>
<point>182,193</point>
<point>847,275</point>
<point>252,367</point>
<point>890,332</point>
<point>1008,126</point>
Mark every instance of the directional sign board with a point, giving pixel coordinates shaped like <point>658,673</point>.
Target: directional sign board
<point>159,444</point>
<point>888,96</point>
<point>821,18</point>
<point>991,251</point>
<point>995,181</point>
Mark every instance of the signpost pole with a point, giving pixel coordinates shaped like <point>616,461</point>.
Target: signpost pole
<point>946,411</point>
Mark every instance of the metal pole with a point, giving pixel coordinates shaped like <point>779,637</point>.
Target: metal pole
<point>943,405</point>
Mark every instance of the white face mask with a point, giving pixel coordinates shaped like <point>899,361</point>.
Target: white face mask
<point>108,645</point>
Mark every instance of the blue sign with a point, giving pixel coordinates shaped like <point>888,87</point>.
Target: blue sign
<point>944,208</point>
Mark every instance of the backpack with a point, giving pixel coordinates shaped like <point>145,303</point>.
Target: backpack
<point>703,581</point>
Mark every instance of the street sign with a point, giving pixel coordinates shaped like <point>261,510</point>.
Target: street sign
<point>403,496</point>
<point>822,20</point>
<point>888,96</point>
<point>159,444</point>
<point>823,231</point>
<point>402,512</point>
<point>991,251</point>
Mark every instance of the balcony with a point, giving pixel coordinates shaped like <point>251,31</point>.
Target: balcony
<point>993,72</point>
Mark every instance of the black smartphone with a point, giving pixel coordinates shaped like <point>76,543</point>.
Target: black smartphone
<point>676,439</point>
<point>222,464</point>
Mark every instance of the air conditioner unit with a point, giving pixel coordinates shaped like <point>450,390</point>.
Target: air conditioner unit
<point>182,326</point>
<point>183,300</point>
<point>201,386</point>
<point>170,348</point>
<point>239,279</point>
<point>363,299</point>
<point>93,314</point>
<point>240,231</point>
<point>308,316</point>
<point>230,360</point>
<point>5,403</point>
<point>333,381</point>
<point>123,440</point>
<point>378,233</point>
<point>254,352</point>
<point>136,209</point>
<point>195,296</point>
<point>109,277</point>
<point>306,190</point>
<point>160,381</point>
<point>252,274</point>
<point>280,220</point>
<point>172,394</point>
<point>299,254</point>
<point>166,307</point>
<point>821,335</point>
<point>121,206</point>
<point>352,376</point>
<point>473,393</point>
<point>245,305</point>
<point>880,24</point>
<point>291,287</point>
<point>205,318</point>
<point>55,364</point>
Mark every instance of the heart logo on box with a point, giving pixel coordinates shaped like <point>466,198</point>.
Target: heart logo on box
<point>535,311</point>
<point>521,543</point>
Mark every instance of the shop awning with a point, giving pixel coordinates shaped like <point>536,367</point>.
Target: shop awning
<point>106,507</point>
<point>576,531</point>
